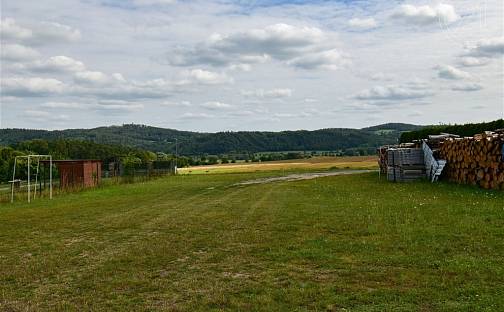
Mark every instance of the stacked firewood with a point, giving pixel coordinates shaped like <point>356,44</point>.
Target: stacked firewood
<point>382,159</point>
<point>475,160</point>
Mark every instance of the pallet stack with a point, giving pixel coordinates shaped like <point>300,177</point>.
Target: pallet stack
<point>475,160</point>
<point>405,164</point>
<point>383,156</point>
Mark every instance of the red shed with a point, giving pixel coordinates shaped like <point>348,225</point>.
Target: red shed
<point>79,173</point>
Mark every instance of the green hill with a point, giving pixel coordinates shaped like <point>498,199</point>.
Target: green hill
<point>191,143</point>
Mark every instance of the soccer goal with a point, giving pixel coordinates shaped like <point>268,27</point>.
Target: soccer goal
<point>32,159</point>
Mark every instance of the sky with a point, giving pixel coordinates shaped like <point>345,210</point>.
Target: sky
<point>229,65</point>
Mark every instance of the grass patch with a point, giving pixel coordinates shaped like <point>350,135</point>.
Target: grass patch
<point>194,243</point>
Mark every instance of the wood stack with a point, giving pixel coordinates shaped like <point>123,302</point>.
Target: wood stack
<point>382,159</point>
<point>475,160</point>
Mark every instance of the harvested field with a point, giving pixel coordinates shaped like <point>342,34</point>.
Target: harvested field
<point>315,163</point>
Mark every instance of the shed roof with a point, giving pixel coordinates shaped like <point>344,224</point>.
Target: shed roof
<point>70,161</point>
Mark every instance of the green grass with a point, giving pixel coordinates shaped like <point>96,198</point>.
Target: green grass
<point>193,243</point>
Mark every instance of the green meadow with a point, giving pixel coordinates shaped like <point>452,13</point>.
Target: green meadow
<point>200,243</point>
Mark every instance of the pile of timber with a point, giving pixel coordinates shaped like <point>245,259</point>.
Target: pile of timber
<point>475,160</point>
<point>435,141</point>
<point>382,159</point>
<point>405,164</point>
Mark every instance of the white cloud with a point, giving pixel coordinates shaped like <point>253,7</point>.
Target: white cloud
<point>331,60</point>
<point>9,29</point>
<point>205,77</point>
<point>18,53</point>
<point>467,86</point>
<point>176,104</point>
<point>363,23</point>
<point>214,105</point>
<point>119,77</point>
<point>450,72</point>
<point>425,15</point>
<point>393,93</point>
<point>273,93</point>
<point>490,47</point>
<point>51,32</point>
<point>473,61</point>
<point>241,113</point>
<point>92,78</point>
<point>110,87</point>
<point>241,67</point>
<point>118,106</point>
<point>31,86</point>
<point>304,47</point>
<point>41,33</point>
<point>196,116</point>
<point>89,84</point>
<point>303,114</point>
<point>63,105</point>
<point>58,63</point>
<point>255,59</point>
<point>110,106</point>
<point>279,40</point>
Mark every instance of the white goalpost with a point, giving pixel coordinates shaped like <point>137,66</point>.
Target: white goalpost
<point>29,159</point>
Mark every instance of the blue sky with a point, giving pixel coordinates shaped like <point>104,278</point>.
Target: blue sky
<point>250,65</point>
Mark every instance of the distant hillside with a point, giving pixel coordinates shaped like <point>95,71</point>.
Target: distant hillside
<point>469,129</point>
<point>394,126</point>
<point>191,143</point>
<point>150,138</point>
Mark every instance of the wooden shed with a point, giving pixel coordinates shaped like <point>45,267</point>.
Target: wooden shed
<point>79,173</point>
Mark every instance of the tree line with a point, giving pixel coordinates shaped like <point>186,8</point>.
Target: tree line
<point>67,149</point>
<point>469,129</point>
<point>196,143</point>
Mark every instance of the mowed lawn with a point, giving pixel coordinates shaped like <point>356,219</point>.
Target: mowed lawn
<point>196,243</point>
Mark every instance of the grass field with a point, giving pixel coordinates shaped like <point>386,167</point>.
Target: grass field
<point>196,243</point>
<point>315,163</point>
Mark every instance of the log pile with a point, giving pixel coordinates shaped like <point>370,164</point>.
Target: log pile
<point>475,160</point>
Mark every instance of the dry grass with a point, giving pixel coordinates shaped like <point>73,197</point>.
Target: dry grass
<point>315,163</point>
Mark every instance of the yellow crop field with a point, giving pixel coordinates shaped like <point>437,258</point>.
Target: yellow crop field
<point>314,163</point>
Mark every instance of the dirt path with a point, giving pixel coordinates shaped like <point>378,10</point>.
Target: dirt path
<point>301,176</point>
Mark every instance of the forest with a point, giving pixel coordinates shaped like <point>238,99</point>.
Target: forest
<point>464,130</point>
<point>195,143</point>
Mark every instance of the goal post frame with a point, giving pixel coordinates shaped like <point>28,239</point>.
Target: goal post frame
<point>29,157</point>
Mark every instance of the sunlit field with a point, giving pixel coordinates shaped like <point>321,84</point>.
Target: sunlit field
<point>315,163</point>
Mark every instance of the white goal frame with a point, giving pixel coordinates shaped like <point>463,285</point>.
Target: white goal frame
<point>38,158</point>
